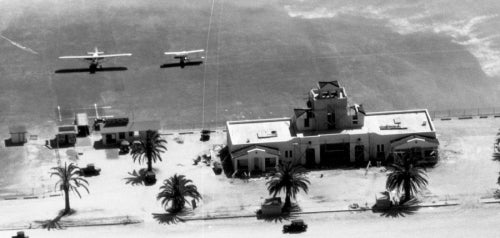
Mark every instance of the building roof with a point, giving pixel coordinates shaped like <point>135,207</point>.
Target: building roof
<point>123,125</point>
<point>82,119</point>
<point>387,123</point>
<point>335,83</point>
<point>116,122</point>
<point>17,129</point>
<point>299,111</point>
<point>259,131</point>
<point>67,129</point>
<point>399,122</point>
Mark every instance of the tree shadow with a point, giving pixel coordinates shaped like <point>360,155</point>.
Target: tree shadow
<point>139,177</point>
<point>136,177</point>
<point>285,215</point>
<point>190,63</point>
<point>402,210</point>
<point>170,218</point>
<point>91,71</point>
<point>496,157</point>
<point>227,163</point>
<point>55,224</point>
<point>99,145</point>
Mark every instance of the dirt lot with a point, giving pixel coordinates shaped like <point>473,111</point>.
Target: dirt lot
<point>465,172</point>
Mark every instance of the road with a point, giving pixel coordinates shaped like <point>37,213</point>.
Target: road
<point>465,221</point>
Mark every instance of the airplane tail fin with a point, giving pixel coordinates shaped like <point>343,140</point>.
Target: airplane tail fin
<point>95,51</point>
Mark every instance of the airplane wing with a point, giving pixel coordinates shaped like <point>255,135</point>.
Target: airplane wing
<point>89,57</point>
<point>184,52</point>
<point>114,55</point>
<point>77,57</point>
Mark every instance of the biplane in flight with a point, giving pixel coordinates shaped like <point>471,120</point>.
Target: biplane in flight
<point>95,58</point>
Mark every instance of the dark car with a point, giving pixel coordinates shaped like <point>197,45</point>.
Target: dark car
<point>295,226</point>
<point>149,178</point>
<point>20,234</point>
<point>90,170</point>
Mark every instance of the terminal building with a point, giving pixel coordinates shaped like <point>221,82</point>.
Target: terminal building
<point>331,133</point>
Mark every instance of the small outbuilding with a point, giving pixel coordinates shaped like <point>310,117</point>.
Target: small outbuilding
<point>115,130</point>
<point>18,134</point>
<point>82,124</point>
<point>67,134</point>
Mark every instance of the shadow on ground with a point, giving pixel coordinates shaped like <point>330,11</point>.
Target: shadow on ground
<point>284,216</point>
<point>138,177</point>
<point>408,208</point>
<point>88,70</point>
<point>496,157</point>
<point>9,143</point>
<point>171,65</point>
<point>98,145</point>
<point>54,223</point>
<point>170,218</point>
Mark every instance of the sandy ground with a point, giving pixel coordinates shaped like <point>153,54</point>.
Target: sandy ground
<point>431,222</point>
<point>466,172</point>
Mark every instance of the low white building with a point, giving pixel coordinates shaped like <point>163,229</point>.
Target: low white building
<point>18,134</point>
<point>114,130</point>
<point>330,133</point>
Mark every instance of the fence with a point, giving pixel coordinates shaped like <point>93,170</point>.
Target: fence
<point>469,112</point>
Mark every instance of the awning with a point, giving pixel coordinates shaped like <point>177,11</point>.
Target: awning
<point>414,141</point>
<point>249,149</point>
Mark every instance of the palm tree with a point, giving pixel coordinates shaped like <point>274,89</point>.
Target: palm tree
<point>175,190</point>
<point>69,179</point>
<point>149,149</point>
<point>406,176</point>
<point>290,178</point>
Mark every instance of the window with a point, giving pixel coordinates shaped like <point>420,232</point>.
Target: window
<point>121,135</point>
<point>380,148</point>
<point>306,122</point>
<point>270,162</point>
<point>331,120</point>
<point>290,153</point>
<point>130,133</point>
<point>286,153</point>
<point>310,114</point>
<point>355,119</point>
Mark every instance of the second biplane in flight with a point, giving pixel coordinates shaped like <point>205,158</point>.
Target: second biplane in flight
<point>183,57</point>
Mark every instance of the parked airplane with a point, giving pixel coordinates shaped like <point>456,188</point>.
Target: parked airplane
<point>95,58</point>
<point>183,56</point>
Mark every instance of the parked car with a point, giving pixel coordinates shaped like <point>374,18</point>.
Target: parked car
<point>20,234</point>
<point>90,170</point>
<point>295,226</point>
<point>150,178</point>
<point>217,168</point>
<point>124,147</point>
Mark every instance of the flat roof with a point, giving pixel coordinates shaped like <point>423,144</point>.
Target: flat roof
<point>398,122</point>
<point>132,126</point>
<point>82,119</point>
<point>17,129</point>
<point>67,129</point>
<point>388,123</point>
<point>259,131</point>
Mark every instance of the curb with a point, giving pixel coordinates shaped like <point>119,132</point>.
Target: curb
<point>31,197</point>
<point>321,211</point>
<point>27,227</point>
